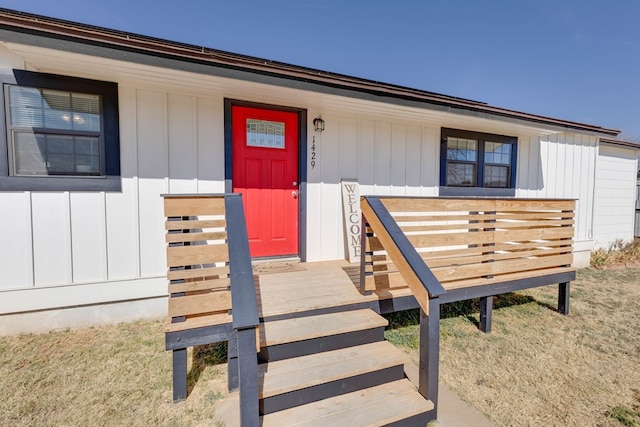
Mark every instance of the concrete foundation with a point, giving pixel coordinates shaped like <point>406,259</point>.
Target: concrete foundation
<point>82,317</point>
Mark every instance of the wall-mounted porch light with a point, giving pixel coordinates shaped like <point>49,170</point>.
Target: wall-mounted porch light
<point>318,124</point>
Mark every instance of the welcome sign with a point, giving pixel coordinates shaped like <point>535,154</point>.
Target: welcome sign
<point>352,218</point>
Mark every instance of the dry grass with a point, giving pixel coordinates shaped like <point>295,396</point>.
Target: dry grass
<point>107,376</point>
<point>619,254</point>
<point>539,368</point>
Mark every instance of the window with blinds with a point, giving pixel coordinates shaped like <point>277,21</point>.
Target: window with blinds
<point>53,132</point>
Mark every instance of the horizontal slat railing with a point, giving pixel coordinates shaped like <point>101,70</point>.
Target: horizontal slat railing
<point>469,242</point>
<point>198,274</point>
<point>412,268</point>
<point>211,286</point>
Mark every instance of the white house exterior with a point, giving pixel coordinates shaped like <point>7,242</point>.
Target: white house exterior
<point>615,192</point>
<point>85,255</point>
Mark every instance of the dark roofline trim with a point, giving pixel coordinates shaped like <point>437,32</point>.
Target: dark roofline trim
<point>58,34</point>
<point>620,143</point>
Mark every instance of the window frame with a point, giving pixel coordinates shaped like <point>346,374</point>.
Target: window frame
<point>479,189</point>
<point>109,180</point>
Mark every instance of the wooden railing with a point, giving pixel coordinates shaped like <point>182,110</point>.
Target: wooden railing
<point>212,295</point>
<point>408,263</point>
<point>451,249</point>
<point>245,310</point>
<point>471,242</point>
<point>197,261</point>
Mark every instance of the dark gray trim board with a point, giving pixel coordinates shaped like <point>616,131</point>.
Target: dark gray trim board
<point>228,147</point>
<point>486,313</point>
<point>563,298</point>
<point>198,336</point>
<point>302,187</point>
<point>179,358</point>
<point>476,192</point>
<point>317,345</point>
<point>326,310</point>
<point>429,357</point>
<point>462,294</point>
<point>385,306</point>
<point>244,302</point>
<point>330,389</point>
<point>41,183</point>
<point>248,378</point>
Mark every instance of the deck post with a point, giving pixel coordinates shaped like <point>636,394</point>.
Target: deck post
<point>430,353</point>
<point>179,374</point>
<point>363,256</point>
<point>232,363</point>
<point>486,313</point>
<point>563,298</point>
<point>248,378</point>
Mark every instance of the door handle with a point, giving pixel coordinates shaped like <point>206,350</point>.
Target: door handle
<point>294,194</point>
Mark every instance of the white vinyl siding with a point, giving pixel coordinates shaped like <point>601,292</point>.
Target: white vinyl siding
<point>385,158</point>
<point>17,246</point>
<point>615,195</point>
<point>121,209</point>
<point>560,166</point>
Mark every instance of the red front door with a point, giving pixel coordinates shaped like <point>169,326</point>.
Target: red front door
<point>265,171</point>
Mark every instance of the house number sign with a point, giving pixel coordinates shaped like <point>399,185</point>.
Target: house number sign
<point>313,152</point>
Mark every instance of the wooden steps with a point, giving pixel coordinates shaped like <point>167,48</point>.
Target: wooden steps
<point>310,334</point>
<point>323,375</point>
<point>392,403</point>
<point>335,368</point>
<point>305,328</point>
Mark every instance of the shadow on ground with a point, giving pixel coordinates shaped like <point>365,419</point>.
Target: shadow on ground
<point>203,356</point>
<point>468,308</point>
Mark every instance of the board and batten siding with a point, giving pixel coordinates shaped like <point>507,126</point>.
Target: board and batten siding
<point>404,159</point>
<point>615,195</point>
<point>561,166</point>
<point>82,248</point>
<point>385,158</point>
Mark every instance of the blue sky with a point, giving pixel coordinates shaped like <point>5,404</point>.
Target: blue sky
<point>571,59</point>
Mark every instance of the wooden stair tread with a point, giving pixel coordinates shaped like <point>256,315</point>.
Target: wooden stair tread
<point>309,327</point>
<point>288,375</point>
<point>375,406</point>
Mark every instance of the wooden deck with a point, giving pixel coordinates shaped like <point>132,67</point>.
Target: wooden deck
<point>310,287</point>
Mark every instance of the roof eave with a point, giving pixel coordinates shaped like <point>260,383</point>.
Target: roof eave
<point>620,143</point>
<point>87,34</point>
